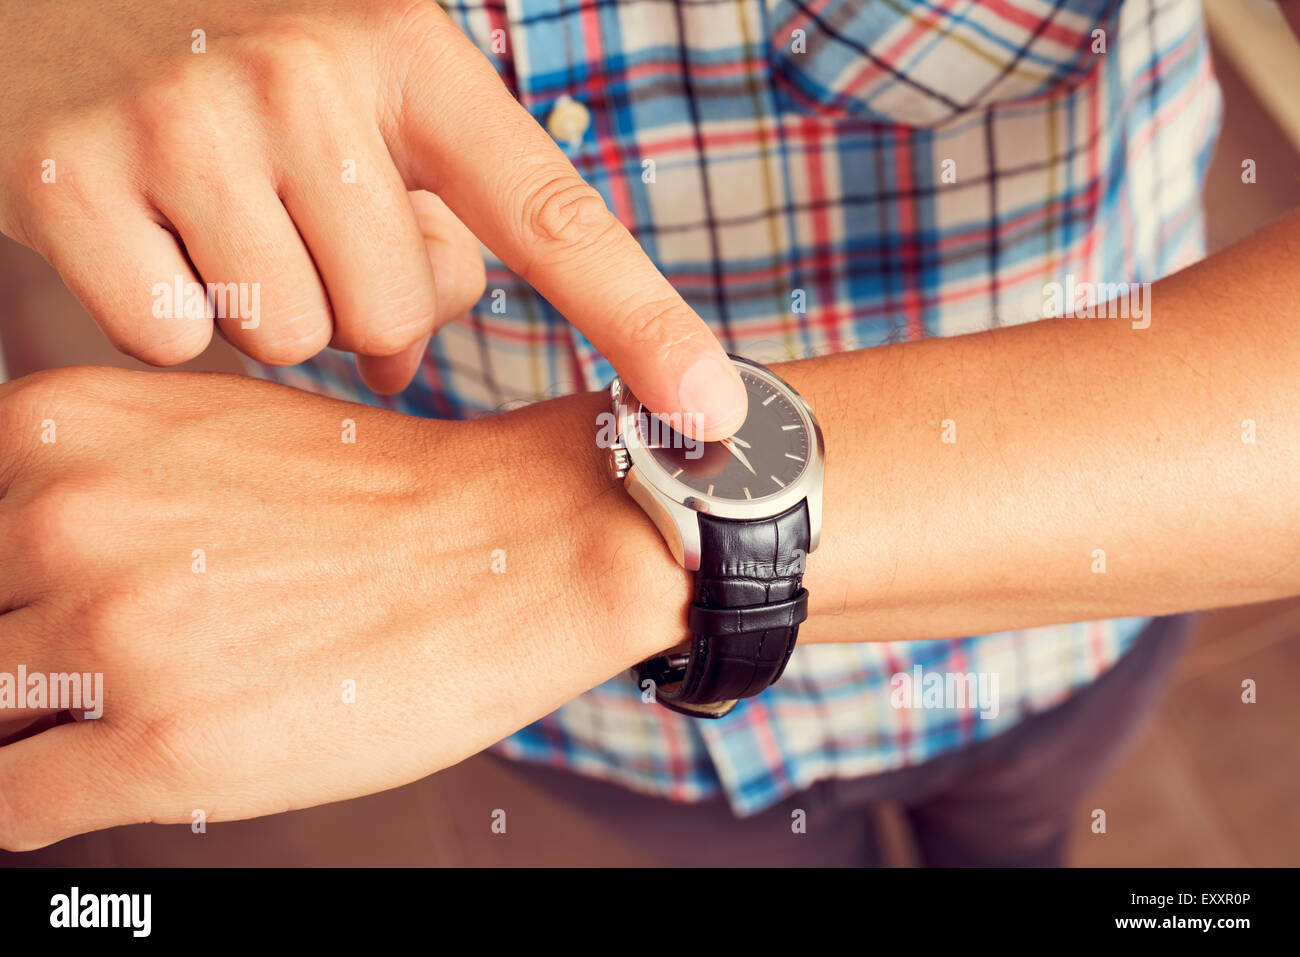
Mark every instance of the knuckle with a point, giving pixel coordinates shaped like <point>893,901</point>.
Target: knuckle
<point>24,426</point>
<point>113,625</point>
<point>180,119</point>
<point>392,339</point>
<point>469,285</point>
<point>419,39</point>
<point>289,340</point>
<point>161,339</point>
<point>172,348</point>
<point>21,418</point>
<point>562,216</point>
<point>400,11</point>
<point>408,314</point>
<point>51,394</point>
<point>64,387</point>
<point>286,47</point>
<point>650,324</point>
<point>28,400</point>
<point>288,62</point>
<point>410,22</point>
<point>51,527</point>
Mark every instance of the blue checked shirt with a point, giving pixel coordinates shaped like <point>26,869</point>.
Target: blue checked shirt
<point>822,176</point>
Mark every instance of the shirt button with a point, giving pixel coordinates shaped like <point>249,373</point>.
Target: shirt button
<point>568,120</point>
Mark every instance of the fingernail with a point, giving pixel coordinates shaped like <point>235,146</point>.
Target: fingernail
<point>713,394</point>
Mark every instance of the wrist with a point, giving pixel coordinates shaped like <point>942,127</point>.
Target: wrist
<point>634,590</point>
<point>588,555</point>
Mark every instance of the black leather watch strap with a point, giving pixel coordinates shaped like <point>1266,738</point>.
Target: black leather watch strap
<point>745,618</point>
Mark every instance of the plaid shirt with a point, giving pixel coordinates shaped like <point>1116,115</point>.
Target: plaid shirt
<point>785,163</point>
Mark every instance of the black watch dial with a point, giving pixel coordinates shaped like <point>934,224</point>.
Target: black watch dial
<point>770,451</point>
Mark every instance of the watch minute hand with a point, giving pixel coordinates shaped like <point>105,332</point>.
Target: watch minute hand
<point>739,455</point>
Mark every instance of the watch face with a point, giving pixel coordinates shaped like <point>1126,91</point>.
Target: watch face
<point>769,453</point>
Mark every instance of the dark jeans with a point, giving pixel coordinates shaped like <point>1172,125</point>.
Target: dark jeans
<point>1006,801</point>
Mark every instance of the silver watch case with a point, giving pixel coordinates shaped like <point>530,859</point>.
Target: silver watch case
<point>673,506</point>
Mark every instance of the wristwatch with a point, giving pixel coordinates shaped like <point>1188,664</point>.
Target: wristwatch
<point>743,514</point>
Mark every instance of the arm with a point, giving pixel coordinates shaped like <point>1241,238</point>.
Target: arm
<point>308,173</point>
<point>232,566</point>
<point>1072,435</point>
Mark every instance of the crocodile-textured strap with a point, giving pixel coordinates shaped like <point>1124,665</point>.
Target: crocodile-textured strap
<point>745,618</point>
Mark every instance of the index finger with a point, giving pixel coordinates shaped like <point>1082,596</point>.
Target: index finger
<point>463,136</point>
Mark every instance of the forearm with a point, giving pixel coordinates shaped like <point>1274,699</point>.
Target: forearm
<point>1080,445</point>
<point>402,575</point>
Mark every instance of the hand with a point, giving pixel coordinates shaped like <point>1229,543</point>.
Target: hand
<point>127,153</point>
<point>231,565</point>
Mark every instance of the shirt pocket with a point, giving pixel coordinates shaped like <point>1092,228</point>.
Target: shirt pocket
<point>923,62</point>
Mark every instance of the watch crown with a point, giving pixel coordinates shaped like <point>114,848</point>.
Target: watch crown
<point>619,461</point>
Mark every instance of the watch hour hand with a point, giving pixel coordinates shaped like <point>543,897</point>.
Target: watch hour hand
<point>739,455</point>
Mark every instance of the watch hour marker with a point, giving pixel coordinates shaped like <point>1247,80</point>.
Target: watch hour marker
<point>778,481</point>
<point>795,457</point>
<point>789,428</point>
<point>769,398</point>
<point>747,495</point>
<point>710,491</point>
<point>678,472</point>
